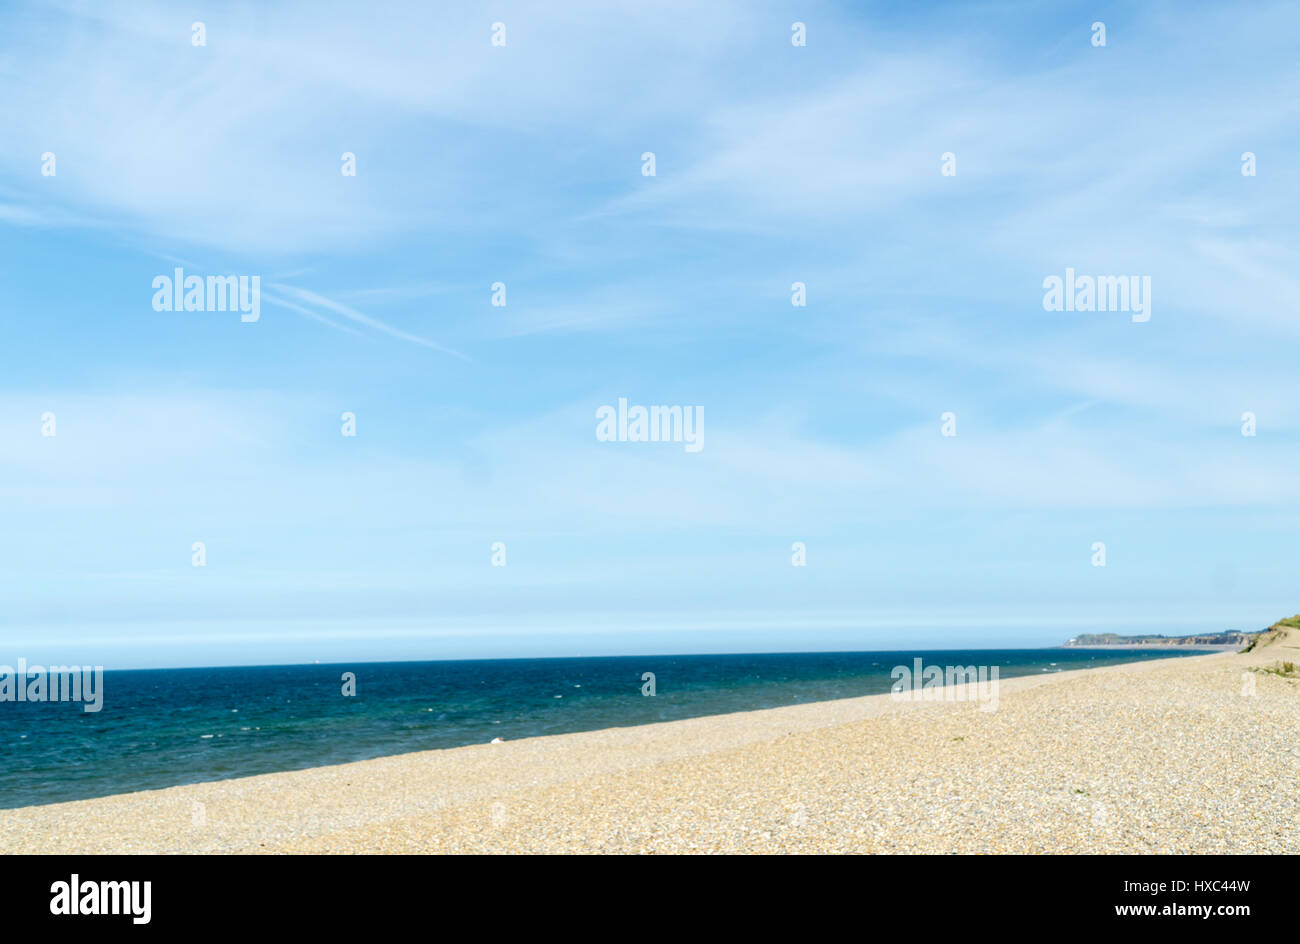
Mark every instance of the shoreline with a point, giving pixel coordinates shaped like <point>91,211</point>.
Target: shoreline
<point>852,771</point>
<point>512,704</point>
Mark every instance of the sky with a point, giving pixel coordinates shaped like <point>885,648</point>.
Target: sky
<point>478,163</point>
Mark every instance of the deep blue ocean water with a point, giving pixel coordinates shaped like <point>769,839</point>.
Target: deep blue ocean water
<point>162,727</point>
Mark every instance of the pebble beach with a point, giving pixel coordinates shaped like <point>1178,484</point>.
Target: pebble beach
<point>1187,755</point>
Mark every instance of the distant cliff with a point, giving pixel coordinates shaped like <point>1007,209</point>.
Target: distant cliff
<point>1202,640</point>
<point>1283,628</point>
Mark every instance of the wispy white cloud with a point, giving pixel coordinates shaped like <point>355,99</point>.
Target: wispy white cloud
<point>237,145</point>
<point>307,313</point>
<point>374,323</point>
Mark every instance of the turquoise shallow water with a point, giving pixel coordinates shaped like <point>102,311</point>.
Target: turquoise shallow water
<point>163,727</point>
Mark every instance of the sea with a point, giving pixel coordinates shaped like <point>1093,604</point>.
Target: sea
<point>163,727</point>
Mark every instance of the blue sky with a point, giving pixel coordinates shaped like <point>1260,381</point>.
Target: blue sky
<point>522,164</point>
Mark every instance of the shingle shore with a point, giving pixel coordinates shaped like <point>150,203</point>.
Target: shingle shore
<point>1172,756</point>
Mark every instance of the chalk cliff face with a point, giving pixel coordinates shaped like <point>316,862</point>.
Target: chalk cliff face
<point>1202,640</point>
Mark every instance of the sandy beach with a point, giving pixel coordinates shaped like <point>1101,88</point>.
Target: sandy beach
<point>1190,755</point>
